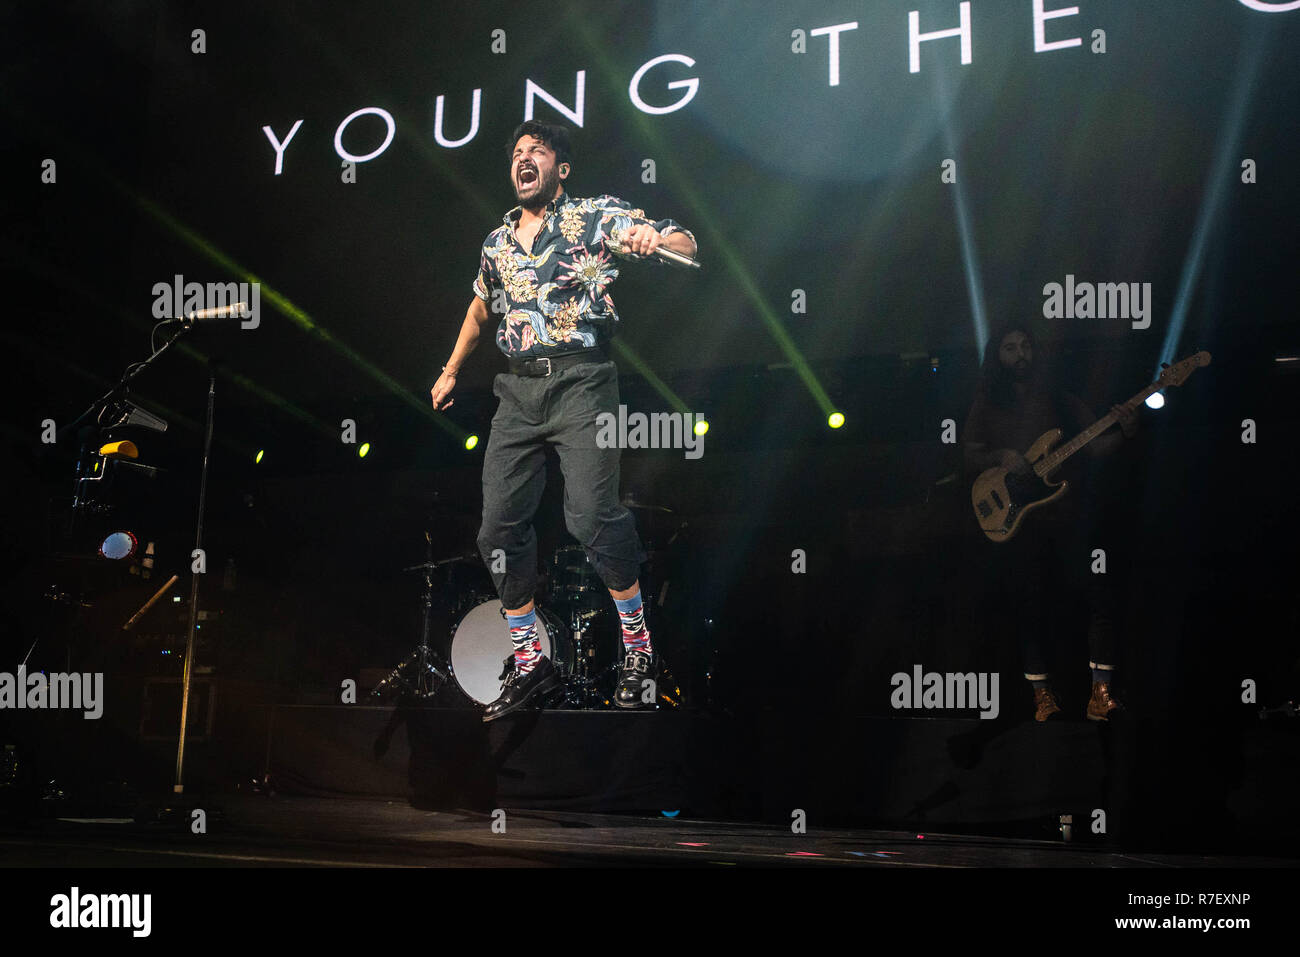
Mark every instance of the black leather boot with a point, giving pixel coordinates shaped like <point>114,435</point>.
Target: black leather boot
<point>638,667</point>
<point>524,690</point>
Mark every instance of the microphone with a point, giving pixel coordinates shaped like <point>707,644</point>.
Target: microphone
<point>662,252</point>
<point>236,309</point>
<point>673,256</point>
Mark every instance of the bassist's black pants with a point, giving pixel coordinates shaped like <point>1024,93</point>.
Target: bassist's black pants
<point>1047,581</point>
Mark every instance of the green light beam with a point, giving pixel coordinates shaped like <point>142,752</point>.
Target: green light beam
<point>717,240</point>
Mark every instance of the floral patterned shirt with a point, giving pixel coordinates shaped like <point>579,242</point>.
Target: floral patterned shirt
<point>557,297</point>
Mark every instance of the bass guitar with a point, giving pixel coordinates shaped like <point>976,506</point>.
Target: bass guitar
<point>1002,497</point>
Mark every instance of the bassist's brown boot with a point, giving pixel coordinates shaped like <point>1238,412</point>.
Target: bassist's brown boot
<point>1045,704</point>
<point>1102,704</point>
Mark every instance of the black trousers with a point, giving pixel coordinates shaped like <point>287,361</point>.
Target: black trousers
<point>559,410</point>
<point>1047,581</point>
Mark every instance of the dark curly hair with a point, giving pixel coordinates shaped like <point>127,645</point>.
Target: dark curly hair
<point>555,137</point>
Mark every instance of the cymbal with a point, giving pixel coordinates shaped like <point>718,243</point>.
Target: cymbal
<point>471,559</point>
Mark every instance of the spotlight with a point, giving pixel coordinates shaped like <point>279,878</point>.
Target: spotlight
<point>118,546</point>
<point>258,457</point>
<point>835,420</point>
<point>470,442</point>
<point>1156,400</point>
<point>364,450</point>
<point>701,426</point>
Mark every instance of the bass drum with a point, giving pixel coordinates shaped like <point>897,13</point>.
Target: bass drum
<point>481,643</point>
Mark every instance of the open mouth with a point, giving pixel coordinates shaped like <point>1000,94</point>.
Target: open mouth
<point>527,176</point>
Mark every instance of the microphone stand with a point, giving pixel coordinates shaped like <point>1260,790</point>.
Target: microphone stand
<point>178,815</point>
<point>179,787</point>
<point>97,407</point>
<point>132,371</point>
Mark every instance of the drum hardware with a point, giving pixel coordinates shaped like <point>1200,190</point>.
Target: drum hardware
<point>576,627</point>
<point>573,579</point>
<point>593,624</point>
<point>582,689</point>
<point>442,561</point>
<point>459,597</point>
<point>419,674</point>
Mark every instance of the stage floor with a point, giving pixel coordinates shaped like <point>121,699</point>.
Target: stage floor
<point>256,831</point>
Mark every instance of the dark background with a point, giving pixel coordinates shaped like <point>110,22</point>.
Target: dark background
<point>1122,167</point>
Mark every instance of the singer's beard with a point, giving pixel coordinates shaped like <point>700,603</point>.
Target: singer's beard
<point>541,192</point>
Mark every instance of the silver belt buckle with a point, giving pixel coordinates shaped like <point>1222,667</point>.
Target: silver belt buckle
<point>548,364</point>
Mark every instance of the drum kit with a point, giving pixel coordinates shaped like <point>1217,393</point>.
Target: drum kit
<point>577,625</point>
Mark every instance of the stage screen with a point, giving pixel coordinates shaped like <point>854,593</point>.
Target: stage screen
<point>864,178</point>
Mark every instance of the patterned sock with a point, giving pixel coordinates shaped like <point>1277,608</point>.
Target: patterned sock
<point>636,636</point>
<point>523,635</point>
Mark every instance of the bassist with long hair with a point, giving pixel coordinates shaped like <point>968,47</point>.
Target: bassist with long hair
<point>1046,565</point>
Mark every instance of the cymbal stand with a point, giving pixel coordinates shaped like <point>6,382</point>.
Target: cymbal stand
<point>419,674</point>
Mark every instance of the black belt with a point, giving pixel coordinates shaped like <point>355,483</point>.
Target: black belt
<point>546,365</point>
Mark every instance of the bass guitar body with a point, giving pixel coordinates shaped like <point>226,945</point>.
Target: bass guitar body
<point>1002,498</point>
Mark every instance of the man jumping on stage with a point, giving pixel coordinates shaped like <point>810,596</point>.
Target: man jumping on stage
<point>551,265</point>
